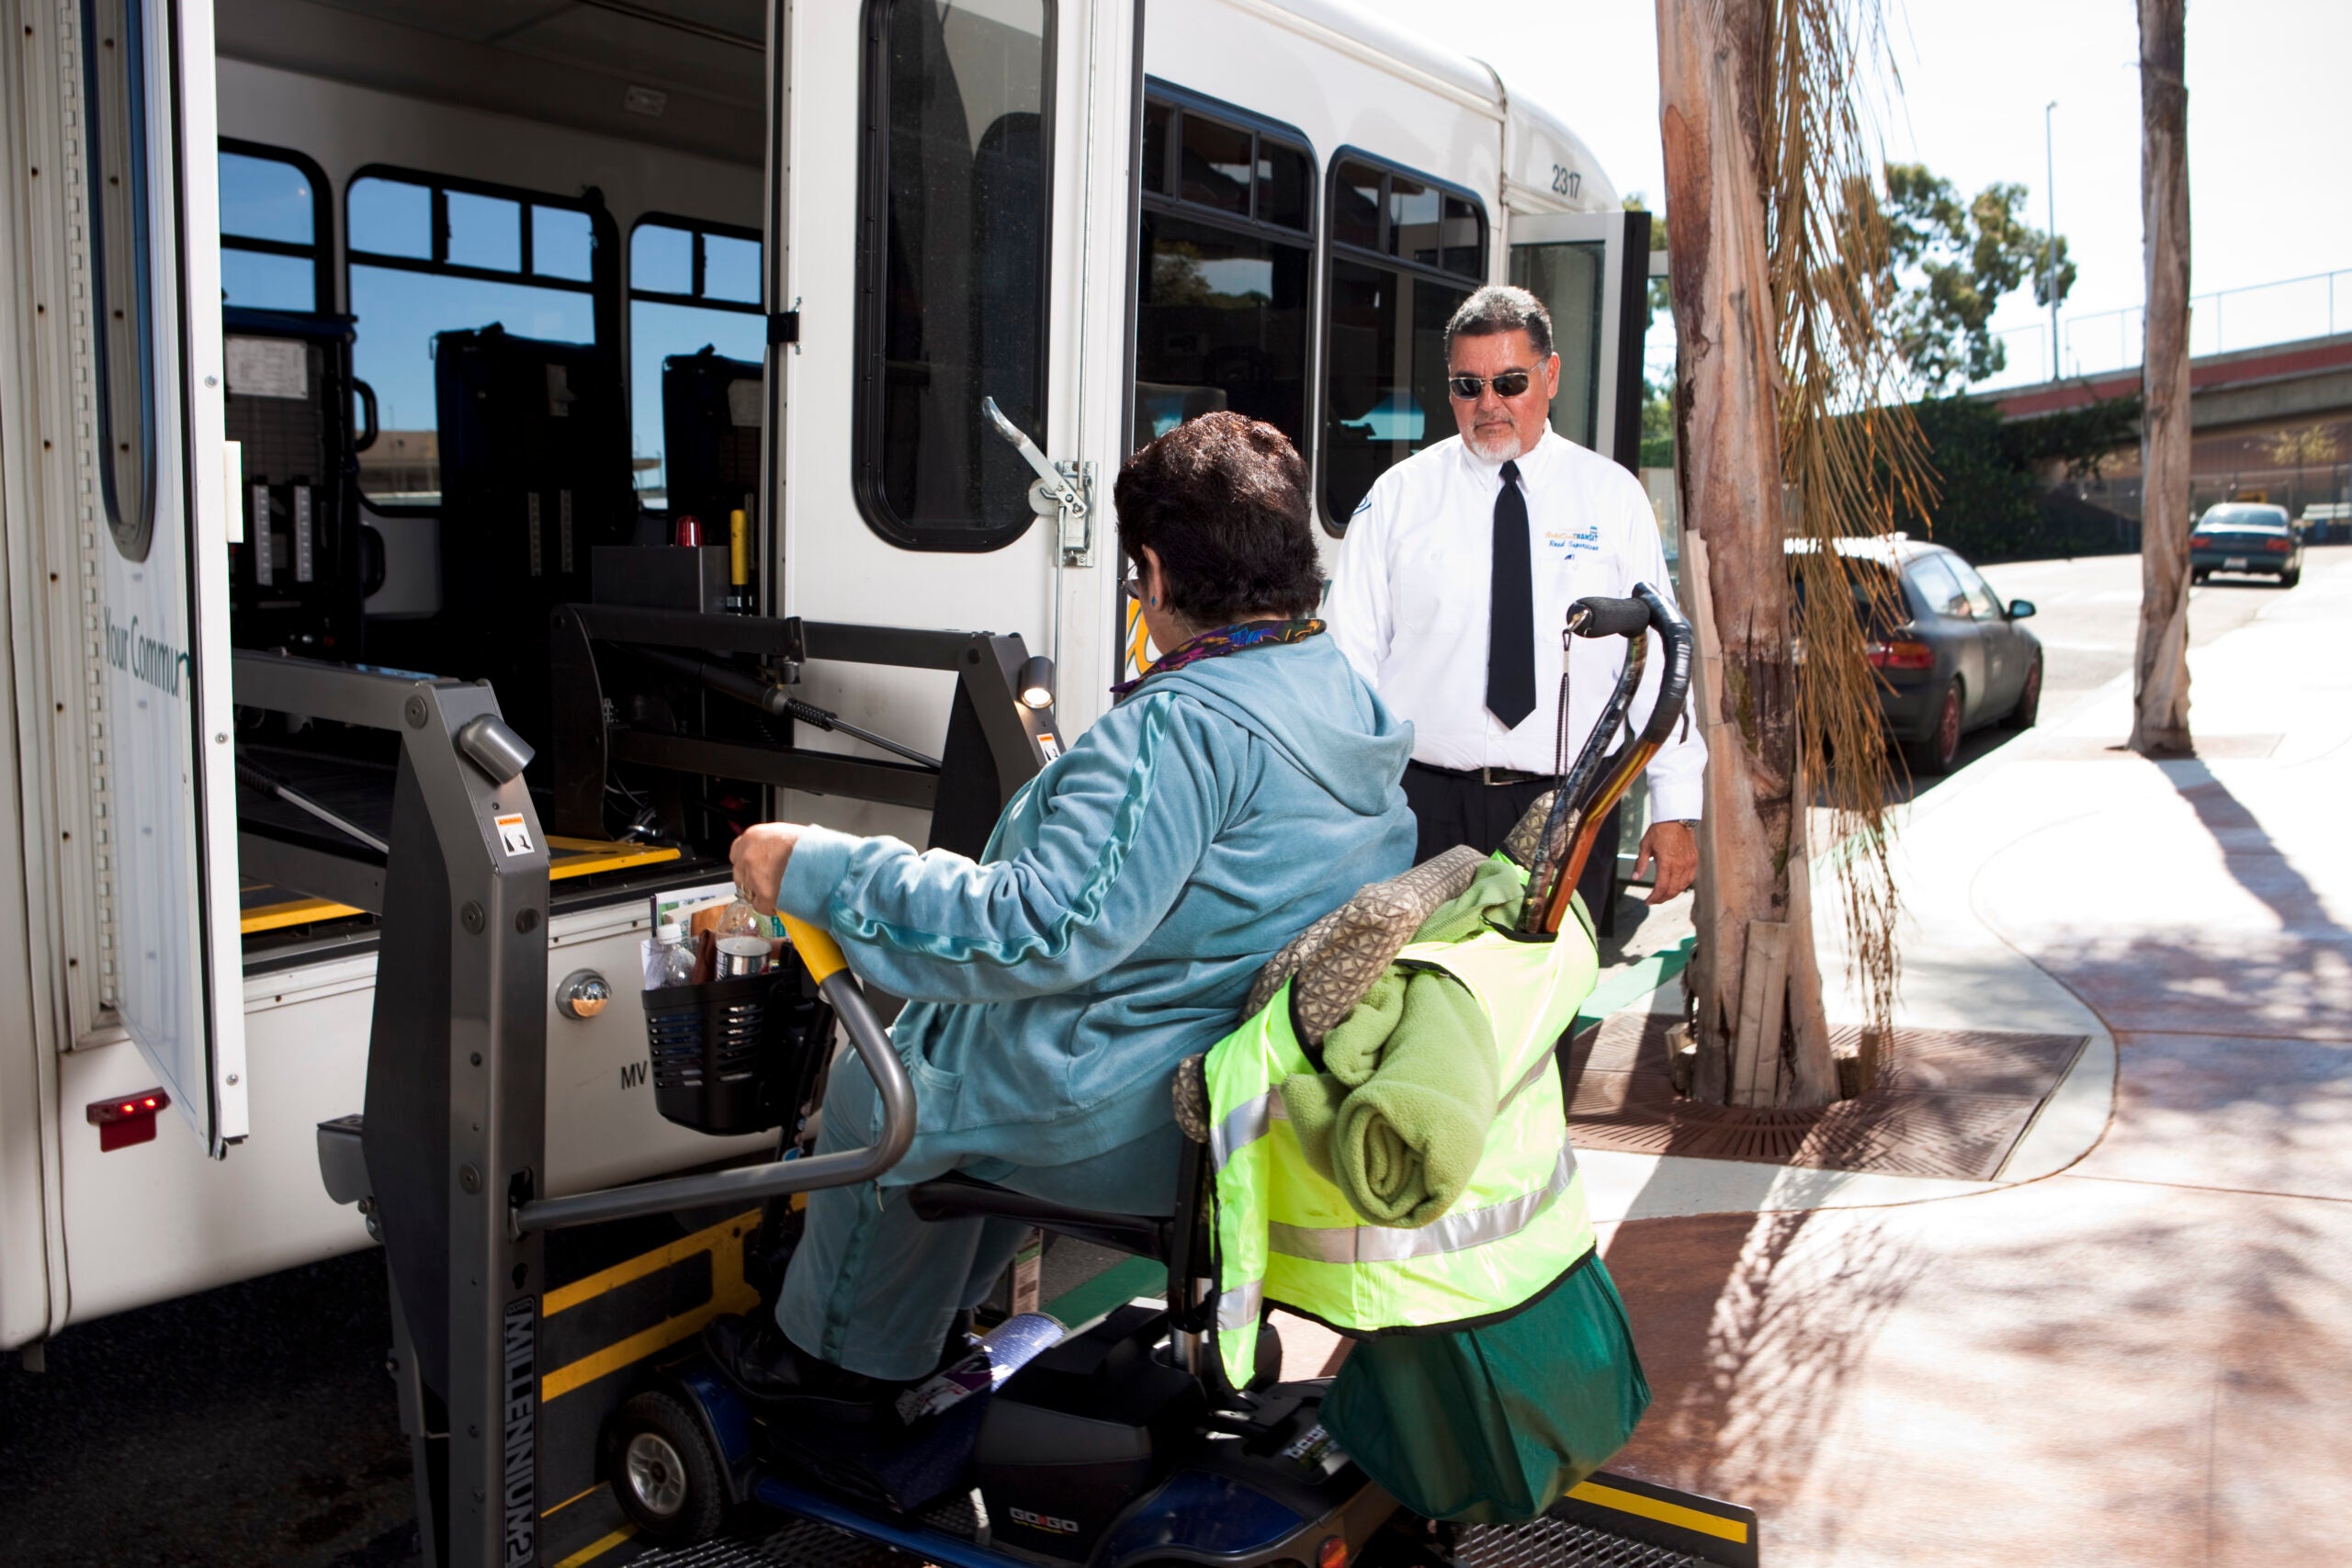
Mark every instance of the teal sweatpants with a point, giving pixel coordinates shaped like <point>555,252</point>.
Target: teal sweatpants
<point>872,1288</point>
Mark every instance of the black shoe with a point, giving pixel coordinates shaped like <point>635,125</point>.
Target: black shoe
<point>764,1365</point>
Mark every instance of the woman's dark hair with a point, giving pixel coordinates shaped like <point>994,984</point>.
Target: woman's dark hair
<point>1222,500</point>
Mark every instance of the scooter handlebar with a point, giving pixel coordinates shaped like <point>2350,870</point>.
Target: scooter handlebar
<point>1600,617</point>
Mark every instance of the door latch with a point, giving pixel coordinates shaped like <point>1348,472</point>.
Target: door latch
<point>1064,491</point>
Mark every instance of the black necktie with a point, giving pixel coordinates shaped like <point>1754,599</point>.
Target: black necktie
<point>1510,610</point>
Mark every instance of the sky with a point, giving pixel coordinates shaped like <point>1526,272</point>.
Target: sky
<point>2270,131</point>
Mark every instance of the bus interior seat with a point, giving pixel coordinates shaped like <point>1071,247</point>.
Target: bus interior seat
<point>533,475</point>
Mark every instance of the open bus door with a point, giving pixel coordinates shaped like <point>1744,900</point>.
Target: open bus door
<point>157,533</point>
<point>1591,270</point>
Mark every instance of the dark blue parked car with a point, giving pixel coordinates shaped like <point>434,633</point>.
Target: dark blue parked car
<point>2246,538</point>
<point>1950,656</point>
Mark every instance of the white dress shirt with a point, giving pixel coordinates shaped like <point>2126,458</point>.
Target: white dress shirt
<point>1409,606</point>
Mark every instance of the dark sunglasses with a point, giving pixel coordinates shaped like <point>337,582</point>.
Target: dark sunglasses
<point>1509,384</point>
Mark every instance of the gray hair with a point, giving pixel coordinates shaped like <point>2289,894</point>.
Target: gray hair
<point>1502,308</point>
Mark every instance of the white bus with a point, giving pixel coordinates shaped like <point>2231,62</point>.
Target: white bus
<point>305,224</point>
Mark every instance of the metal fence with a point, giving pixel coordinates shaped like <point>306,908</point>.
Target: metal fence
<point>2103,341</point>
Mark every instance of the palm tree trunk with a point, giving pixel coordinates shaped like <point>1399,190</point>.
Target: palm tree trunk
<point>2160,686</point>
<point>1754,896</point>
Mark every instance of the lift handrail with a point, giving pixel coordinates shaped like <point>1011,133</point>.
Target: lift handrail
<point>776,1177</point>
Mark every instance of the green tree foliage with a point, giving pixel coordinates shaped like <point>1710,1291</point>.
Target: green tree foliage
<point>1993,501</point>
<point>1658,391</point>
<point>1955,261</point>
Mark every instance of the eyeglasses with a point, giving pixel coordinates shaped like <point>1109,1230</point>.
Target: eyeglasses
<point>1509,384</point>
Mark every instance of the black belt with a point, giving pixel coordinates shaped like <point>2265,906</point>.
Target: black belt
<point>1483,776</point>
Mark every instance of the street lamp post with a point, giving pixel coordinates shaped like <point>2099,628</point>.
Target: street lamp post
<point>2050,243</point>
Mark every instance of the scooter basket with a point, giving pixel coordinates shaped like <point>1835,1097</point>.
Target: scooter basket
<point>738,1055</point>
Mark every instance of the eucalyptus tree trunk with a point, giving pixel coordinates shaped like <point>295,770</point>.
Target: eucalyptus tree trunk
<point>1755,977</point>
<point>2160,683</point>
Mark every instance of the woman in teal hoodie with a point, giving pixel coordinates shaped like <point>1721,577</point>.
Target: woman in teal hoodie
<point>1244,787</point>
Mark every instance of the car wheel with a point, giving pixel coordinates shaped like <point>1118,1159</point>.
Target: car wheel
<point>662,1470</point>
<point>2199,577</point>
<point>2028,706</point>
<point>1935,755</point>
<point>2289,578</point>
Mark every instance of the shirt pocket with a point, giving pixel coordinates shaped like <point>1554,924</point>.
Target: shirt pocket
<point>1569,576</point>
<point>1435,590</point>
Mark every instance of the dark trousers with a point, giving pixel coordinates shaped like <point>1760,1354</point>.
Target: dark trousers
<point>1451,808</point>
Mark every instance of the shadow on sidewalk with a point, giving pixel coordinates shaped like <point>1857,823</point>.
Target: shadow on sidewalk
<point>2241,839</point>
<point>1751,1340</point>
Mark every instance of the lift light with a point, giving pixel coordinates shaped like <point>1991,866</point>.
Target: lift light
<point>1037,682</point>
<point>125,1119</point>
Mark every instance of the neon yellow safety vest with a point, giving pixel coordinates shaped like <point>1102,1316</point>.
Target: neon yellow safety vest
<point>1287,1237</point>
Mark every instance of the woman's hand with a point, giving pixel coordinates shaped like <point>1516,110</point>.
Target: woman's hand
<point>759,858</point>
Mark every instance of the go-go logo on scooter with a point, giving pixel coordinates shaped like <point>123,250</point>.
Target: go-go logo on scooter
<point>1037,1521</point>
<point>142,657</point>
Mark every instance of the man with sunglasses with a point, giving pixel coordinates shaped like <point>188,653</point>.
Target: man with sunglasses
<point>1460,567</point>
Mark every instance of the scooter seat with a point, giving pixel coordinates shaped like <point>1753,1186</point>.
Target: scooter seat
<point>953,1194</point>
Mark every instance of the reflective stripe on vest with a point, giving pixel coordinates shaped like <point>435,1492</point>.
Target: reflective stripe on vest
<point>1287,1235</point>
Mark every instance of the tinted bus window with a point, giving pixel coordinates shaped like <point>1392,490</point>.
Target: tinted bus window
<point>1406,252</point>
<point>691,287</point>
<point>1225,271</point>
<point>115,39</point>
<point>952,256</point>
<point>429,256</point>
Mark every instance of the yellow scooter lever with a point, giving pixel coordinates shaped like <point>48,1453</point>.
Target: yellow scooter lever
<point>817,947</point>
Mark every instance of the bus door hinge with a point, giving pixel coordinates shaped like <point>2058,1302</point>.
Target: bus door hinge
<point>783,327</point>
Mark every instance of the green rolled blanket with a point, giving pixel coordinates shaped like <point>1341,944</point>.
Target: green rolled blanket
<point>1398,1119</point>
<point>1496,892</point>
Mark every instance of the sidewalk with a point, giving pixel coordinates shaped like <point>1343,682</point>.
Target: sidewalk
<point>2131,1347</point>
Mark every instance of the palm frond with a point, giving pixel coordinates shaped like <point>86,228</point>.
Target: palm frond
<point>1851,453</point>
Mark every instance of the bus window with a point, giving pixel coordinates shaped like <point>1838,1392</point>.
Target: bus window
<point>429,254</point>
<point>1406,251</point>
<point>275,238</point>
<point>692,285</point>
<point>122,268</point>
<point>1224,269</point>
<point>953,236</point>
<point>1569,279</point>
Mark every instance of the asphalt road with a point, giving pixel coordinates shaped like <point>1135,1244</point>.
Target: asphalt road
<point>254,1424</point>
<point>2086,613</point>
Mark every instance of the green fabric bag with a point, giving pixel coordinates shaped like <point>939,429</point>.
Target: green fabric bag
<point>1494,1425</point>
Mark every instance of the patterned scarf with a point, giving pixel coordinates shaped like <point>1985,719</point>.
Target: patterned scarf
<point>1218,643</point>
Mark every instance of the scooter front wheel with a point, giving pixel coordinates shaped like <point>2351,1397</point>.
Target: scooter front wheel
<point>663,1470</point>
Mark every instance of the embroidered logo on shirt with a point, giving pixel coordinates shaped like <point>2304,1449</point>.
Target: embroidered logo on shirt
<point>1576,541</point>
<point>1362,506</point>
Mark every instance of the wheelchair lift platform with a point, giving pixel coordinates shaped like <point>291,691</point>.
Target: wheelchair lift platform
<point>1569,1538</point>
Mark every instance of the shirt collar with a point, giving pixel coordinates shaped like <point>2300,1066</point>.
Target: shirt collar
<point>1531,462</point>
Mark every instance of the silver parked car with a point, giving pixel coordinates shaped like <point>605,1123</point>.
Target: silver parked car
<point>1956,659</point>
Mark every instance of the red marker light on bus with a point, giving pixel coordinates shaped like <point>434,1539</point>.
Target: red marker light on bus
<point>122,1123</point>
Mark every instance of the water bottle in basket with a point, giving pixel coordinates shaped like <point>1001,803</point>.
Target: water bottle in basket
<point>739,1053</point>
<point>745,939</point>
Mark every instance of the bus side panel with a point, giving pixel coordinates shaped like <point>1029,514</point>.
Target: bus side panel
<point>158,1219</point>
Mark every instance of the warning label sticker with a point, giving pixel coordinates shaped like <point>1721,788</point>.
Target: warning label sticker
<point>514,833</point>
